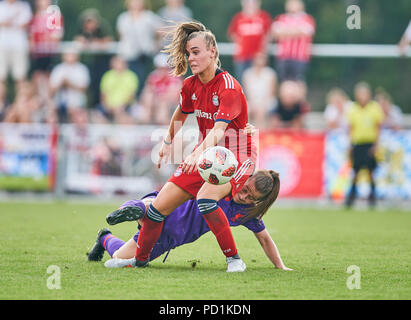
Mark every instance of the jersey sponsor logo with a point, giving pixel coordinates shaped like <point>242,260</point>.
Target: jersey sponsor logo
<point>207,115</point>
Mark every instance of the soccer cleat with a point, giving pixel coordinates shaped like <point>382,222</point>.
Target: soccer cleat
<point>120,263</point>
<point>235,264</point>
<point>141,264</point>
<point>127,213</point>
<point>97,252</point>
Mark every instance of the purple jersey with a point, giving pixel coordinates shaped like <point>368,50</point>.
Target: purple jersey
<point>185,224</point>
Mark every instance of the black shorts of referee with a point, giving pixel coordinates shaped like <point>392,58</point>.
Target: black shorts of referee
<point>362,156</point>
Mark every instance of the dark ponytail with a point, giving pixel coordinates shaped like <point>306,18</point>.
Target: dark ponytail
<point>267,182</point>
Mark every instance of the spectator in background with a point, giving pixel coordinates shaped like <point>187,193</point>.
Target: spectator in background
<point>365,118</point>
<point>46,32</point>
<point>393,117</point>
<point>93,31</point>
<point>291,108</point>
<point>139,31</point>
<point>161,93</point>
<point>260,85</point>
<point>293,31</point>
<point>15,16</point>
<point>338,104</point>
<point>94,34</point>
<point>27,107</point>
<point>405,40</point>
<point>69,81</point>
<point>24,106</point>
<point>175,11</point>
<point>107,158</point>
<point>249,30</point>
<point>118,91</point>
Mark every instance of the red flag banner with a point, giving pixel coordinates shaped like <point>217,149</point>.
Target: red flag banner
<point>298,157</point>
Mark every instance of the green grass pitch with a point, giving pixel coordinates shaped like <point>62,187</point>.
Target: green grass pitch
<point>319,244</point>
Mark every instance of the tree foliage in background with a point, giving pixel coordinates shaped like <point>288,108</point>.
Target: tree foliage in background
<point>382,22</point>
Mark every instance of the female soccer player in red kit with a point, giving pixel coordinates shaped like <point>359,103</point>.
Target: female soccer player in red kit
<point>219,104</point>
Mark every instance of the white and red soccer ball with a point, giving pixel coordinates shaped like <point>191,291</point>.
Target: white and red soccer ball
<point>217,165</point>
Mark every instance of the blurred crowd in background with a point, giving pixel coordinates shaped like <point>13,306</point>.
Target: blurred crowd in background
<point>134,85</point>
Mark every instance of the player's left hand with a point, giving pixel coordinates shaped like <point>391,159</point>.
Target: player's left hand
<point>286,269</point>
<point>189,164</point>
<point>163,154</point>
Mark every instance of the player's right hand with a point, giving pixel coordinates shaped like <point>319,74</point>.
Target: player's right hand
<point>164,153</point>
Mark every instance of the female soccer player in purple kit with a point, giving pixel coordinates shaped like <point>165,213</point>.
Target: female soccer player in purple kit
<point>245,208</point>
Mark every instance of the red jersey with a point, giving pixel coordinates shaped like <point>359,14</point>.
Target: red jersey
<point>161,82</point>
<point>44,38</point>
<point>298,47</point>
<point>249,32</point>
<point>221,99</point>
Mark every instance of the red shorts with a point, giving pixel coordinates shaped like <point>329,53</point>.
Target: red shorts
<point>192,183</point>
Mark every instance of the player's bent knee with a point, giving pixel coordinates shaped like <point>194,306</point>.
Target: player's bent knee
<point>170,197</point>
<point>214,192</point>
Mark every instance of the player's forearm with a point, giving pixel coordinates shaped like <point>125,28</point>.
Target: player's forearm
<point>272,253</point>
<point>270,249</point>
<point>176,123</point>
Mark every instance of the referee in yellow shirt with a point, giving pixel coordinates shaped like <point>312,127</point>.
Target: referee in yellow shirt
<point>364,119</point>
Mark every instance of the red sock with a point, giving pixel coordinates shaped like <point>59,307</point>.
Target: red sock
<point>149,233</point>
<point>218,224</point>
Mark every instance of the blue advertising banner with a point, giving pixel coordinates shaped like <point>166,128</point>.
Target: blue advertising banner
<point>393,174</point>
<point>26,154</point>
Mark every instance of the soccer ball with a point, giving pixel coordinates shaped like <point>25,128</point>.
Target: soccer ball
<point>217,165</point>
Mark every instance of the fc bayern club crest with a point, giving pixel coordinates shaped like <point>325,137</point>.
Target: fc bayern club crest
<point>215,101</point>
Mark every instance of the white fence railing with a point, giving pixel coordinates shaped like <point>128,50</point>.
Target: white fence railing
<point>318,50</point>
<point>315,121</point>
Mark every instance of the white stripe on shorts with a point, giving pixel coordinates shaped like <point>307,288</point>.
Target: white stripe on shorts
<point>242,170</point>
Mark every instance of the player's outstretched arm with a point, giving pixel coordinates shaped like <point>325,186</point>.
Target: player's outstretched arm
<point>270,249</point>
<point>177,121</point>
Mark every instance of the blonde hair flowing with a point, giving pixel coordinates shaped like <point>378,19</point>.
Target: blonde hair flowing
<point>180,35</point>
